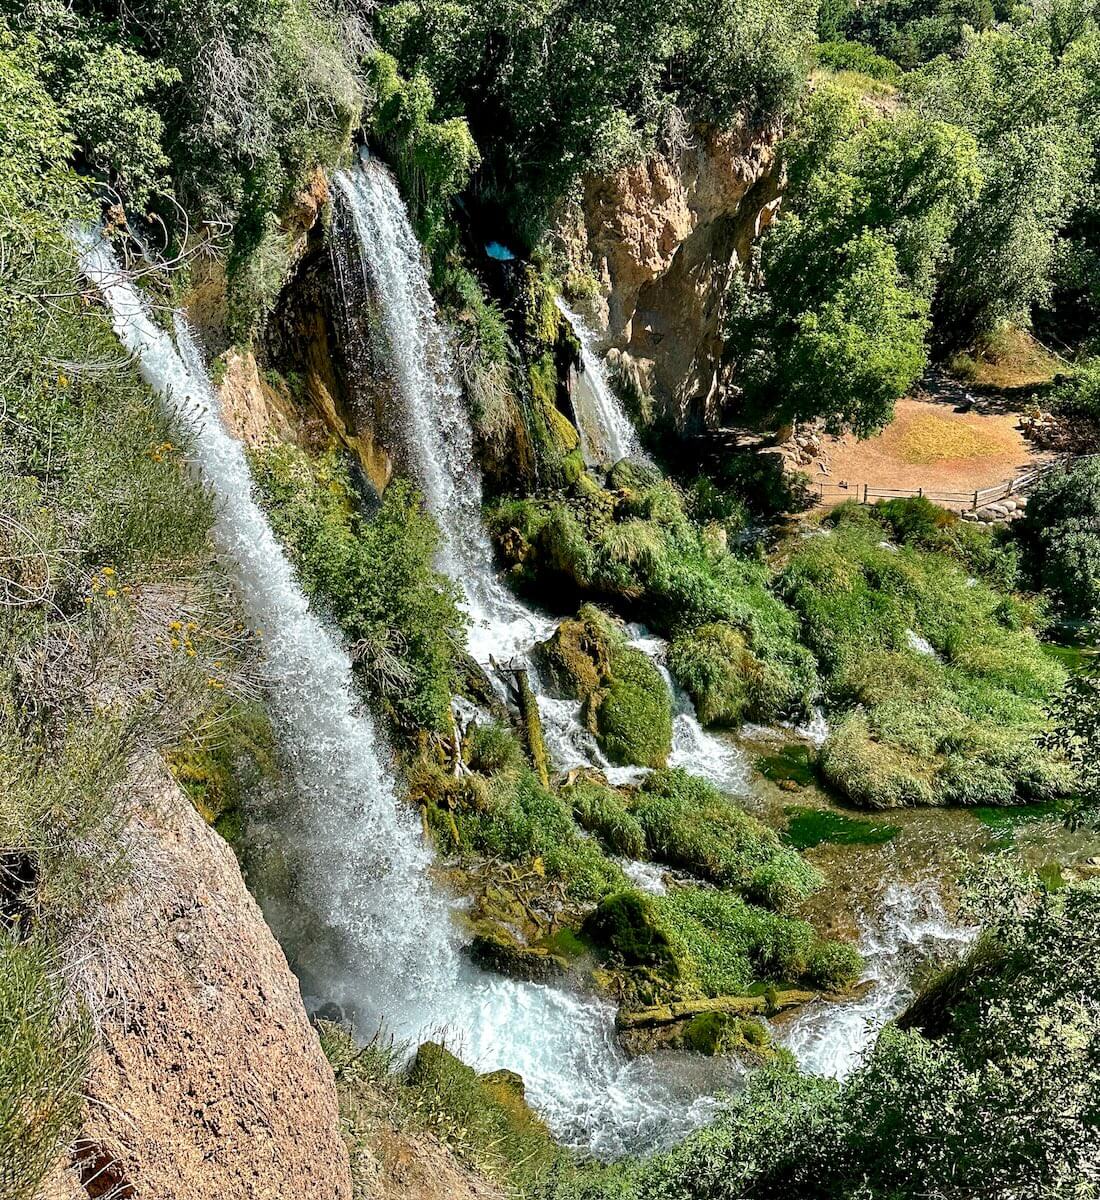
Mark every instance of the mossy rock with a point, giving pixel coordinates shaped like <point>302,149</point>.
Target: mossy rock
<point>627,704</point>
<point>714,1033</point>
<point>633,714</point>
<point>577,656</point>
<point>494,948</point>
<point>626,926</point>
<point>718,671</point>
<point>628,475</point>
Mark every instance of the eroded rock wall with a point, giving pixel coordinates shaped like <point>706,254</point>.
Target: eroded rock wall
<point>663,238</point>
<point>208,1082</point>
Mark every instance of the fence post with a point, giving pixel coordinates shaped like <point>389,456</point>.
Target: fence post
<point>975,498</point>
<point>920,493</point>
<point>865,493</point>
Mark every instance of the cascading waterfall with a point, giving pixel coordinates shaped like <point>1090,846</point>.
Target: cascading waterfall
<point>607,433</point>
<point>364,925</point>
<point>387,251</point>
<point>830,1039</point>
<point>563,1044</point>
<point>368,857</point>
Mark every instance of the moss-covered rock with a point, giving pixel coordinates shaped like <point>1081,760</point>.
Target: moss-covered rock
<point>601,811</point>
<point>627,926</point>
<point>715,1033</point>
<point>689,824</point>
<point>626,702</point>
<point>495,948</point>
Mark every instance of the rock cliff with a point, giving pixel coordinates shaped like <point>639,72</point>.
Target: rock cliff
<point>207,1082</point>
<point>663,238</point>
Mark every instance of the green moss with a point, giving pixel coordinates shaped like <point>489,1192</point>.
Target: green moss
<point>706,942</point>
<point>628,925</point>
<point>958,726</point>
<point>601,811</point>
<point>633,714</point>
<point>714,1033</point>
<point>808,827</point>
<point>689,824</point>
<point>627,704</point>
<point>1003,822</point>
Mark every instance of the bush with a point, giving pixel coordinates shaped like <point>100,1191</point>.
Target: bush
<point>727,683</point>
<point>495,748</point>
<point>375,575</point>
<point>601,811</point>
<point>949,719</point>
<point>43,1059</point>
<point>518,819</point>
<point>855,56</point>
<point>729,945</point>
<point>1060,537</point>
<point>690,825</point>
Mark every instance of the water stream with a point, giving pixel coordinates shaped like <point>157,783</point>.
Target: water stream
<point>607,433</point>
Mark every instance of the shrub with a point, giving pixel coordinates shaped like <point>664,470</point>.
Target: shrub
<point>43,1058</point>
<point>952,719</point>
<point>1060,536</point>
<point>855,56</point>
<point>601,811</point>
<point>375,575</point>
<point>494,748</point>
<point>519,819</point>
<point>689,824</point>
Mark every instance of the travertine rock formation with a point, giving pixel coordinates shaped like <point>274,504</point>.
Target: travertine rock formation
<point>663,238</point>
<point>208,1082</point>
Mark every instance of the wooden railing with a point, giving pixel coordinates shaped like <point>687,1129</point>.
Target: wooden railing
<point>865,493</point>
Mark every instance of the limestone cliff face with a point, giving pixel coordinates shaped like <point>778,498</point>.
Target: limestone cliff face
<point>663,238</point>
<point>208,1082</point>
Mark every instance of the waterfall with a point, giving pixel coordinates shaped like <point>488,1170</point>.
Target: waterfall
<point>386,255</point>
<point>830,1039</point>
<point>607,434</point>
<point>362,853</point>
<point>363,924</point>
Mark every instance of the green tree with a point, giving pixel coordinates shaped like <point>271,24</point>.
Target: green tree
<point>836,325</point>
<point>1060,536</point>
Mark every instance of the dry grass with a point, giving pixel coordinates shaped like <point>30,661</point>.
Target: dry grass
<point>1008,359</point>
<point>932,438</point>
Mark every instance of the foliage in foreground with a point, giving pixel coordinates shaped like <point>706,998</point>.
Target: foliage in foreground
<point>989,1086</point>
<point>1060,536</point>
<point>43,1058</point>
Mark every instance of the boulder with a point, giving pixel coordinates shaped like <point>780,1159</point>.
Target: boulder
<point>207,1079</point>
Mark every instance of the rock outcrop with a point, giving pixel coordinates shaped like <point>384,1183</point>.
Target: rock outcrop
<point>664,238</point>
<point>207,1081</point>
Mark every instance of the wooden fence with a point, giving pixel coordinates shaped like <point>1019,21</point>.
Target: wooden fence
<point>865,493</point>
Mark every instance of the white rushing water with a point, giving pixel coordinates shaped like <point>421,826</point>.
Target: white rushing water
<point>831,1039</point>
<point>607,433</point>
<point>361,880</point>
<point>389,259</point>
<point>363,922</point>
